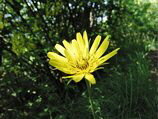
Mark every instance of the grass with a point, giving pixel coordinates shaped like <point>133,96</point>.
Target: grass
<point>128,91</point>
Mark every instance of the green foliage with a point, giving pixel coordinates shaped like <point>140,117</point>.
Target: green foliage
<point>21,44</point>
<point>30,88</point>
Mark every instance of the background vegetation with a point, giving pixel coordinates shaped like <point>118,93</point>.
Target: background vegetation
<point>125,89</point>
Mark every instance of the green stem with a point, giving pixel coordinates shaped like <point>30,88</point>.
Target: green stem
<point>90,99</point>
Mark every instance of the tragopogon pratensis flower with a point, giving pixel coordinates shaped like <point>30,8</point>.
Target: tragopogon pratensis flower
<point>79,60</point>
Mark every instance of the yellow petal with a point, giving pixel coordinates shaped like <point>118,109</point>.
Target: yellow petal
<point>76,49</point>
<point>76,78</point>
<point>61,66</point>
<point>80,41</point>
<point>57,64</point>
<point>108,56</point>
<point>90,78</point>
<point>66,44</point>
<point>102,47</point>
<point>86,46</point>
<point>69,56</point>
<point>68,51</point>
<point>56,57</point>
<point>85,37</point>
<point>60,49</point>
<point>95,44</point>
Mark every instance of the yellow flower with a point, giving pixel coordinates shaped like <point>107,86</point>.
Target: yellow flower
<point>78,59</point>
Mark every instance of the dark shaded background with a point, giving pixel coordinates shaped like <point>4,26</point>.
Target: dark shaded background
<point>30,88</point>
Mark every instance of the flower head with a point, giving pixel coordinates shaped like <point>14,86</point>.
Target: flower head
<point>79,60</point>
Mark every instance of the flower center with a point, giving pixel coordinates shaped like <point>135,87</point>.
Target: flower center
<point>82,64</point>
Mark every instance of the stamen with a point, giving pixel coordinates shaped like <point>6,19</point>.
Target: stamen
<point>83,64</point>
